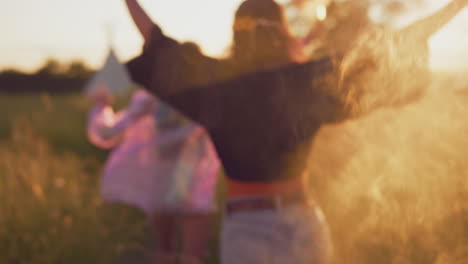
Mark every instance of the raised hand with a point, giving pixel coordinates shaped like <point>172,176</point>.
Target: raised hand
<point>461,3</point>
<point>141,19</point>
<point>101,96</point>
<point>426,27</point>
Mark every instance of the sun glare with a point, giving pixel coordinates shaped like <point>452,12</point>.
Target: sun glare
<point>66,33</point>
<point>321,12</point>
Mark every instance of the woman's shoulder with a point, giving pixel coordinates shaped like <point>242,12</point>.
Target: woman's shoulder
<point>142,96</point>
<point>141,102</point>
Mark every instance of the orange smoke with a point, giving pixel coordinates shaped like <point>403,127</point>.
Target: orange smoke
<point>393,184</point>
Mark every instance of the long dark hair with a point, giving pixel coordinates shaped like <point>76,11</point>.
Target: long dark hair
<point>261,38</point>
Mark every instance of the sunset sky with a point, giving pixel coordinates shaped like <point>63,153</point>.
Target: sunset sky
<point>32,31</point>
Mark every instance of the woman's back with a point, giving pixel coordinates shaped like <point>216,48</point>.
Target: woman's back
<point>262,124</point>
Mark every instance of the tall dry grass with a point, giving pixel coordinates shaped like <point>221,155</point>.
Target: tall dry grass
<point>50,207</point>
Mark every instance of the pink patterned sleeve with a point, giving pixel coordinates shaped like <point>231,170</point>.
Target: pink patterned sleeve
<point>102,131</point>
<point>106,127</point>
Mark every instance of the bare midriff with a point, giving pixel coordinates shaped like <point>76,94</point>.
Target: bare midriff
<point>237,189</point>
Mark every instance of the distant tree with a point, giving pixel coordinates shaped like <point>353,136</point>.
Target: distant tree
<point>11,72</point>
<point>51,67</point>
<point>345,22</point>
<point>78,69</point>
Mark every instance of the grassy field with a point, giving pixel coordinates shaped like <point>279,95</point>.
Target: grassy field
<point>50,207</point>
<point>393,185</point>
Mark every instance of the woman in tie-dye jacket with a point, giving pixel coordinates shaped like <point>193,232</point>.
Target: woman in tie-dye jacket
<point>163,164</point>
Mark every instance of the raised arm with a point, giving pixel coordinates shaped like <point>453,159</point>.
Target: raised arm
<point>141,19</point>
<point>106,127</point>
<point>426,27</point>
<point>100,128</point>
<point>166,67</point>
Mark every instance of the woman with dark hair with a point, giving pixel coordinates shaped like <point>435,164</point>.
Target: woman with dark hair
<point>262,106</point>
<point>270,217</point>
<point>260,134</point>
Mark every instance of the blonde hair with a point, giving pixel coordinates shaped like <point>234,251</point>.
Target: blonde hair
<point>381,69</point>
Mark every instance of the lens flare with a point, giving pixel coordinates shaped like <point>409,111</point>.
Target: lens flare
<point>321,12</point>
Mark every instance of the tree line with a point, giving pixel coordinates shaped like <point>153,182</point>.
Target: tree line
<point>52,77</point>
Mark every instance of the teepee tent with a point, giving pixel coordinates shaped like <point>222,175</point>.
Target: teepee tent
<point>113,76</point>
